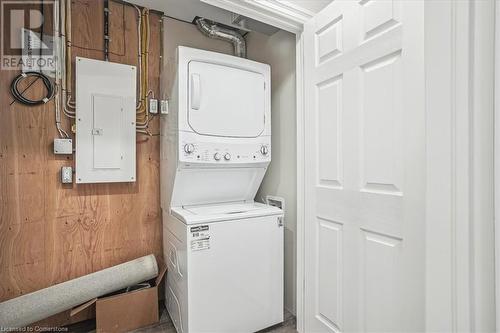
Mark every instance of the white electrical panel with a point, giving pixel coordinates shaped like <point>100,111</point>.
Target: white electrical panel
<point>105,121</point>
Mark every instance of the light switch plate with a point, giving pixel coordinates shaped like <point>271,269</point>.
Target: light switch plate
<point>153,106</point>
<point>66,175</point>
<point>63,146</point>
<point>164,106</point>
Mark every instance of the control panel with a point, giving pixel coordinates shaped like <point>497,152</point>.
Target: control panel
<point>220,153</point>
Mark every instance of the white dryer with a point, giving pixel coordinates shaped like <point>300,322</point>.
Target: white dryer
<point>224,251</point>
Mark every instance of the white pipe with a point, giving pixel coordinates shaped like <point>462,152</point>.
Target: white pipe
<point>139,57</point>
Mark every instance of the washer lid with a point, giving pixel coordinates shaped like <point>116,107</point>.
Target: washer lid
<point>225,101</point>
<point>223,212</point>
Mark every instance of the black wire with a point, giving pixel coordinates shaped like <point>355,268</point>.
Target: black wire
<point>178,19</point>
<point>123,37</point>
<point>106,30</point>
<point>18,96</point>
<point>27,87</point>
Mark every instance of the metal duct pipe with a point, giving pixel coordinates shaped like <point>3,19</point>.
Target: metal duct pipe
<point>214,30</point>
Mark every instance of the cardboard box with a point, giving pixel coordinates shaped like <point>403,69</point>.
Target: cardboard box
<point>126,311</point>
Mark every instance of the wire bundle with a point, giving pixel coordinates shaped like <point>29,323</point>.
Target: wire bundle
<point>143,116</point>
<point>18,95</point>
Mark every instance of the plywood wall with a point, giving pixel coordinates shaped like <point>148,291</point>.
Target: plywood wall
<point>49,232</point>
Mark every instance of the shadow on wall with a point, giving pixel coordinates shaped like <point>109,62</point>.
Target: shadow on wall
<point>278,50</point>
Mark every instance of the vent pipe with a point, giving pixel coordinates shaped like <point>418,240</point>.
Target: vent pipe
<point>213,30</point>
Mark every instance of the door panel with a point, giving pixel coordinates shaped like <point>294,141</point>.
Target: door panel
<point>380,125</point>
<point>365,144</point>
<point>329,98</point>
<point>379,302</point>
<point>329,275</point>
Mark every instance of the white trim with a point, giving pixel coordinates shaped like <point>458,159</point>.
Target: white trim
<point>497,164</point>
<point>459,176</point>
<point>282,14</point>
<point>461,179</point>
<point>300,183</point>
<point>482,249</point>
<point>447,55</point>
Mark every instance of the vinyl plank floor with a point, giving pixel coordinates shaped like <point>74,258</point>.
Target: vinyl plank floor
<point>165,325</point>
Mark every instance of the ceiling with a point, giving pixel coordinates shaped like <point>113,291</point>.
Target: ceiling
<point>311,5</point>
<point>187,10</point>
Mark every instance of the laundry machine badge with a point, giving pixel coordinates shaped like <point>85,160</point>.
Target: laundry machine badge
<point>200,238</point>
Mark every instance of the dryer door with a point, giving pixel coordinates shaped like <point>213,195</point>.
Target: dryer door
<point>225,101</point>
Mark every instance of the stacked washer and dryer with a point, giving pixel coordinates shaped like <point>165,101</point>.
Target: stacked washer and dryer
<point>224,251</point>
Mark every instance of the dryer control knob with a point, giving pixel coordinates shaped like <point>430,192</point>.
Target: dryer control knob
<point>216,156</point>
<point>264,150</point>
<point>189,148</point>
<point>227,156</point>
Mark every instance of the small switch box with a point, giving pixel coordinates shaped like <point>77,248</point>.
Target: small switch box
<point>153,106</point>
<point>164,106</point>
<point>66,175</point>
<point>63,146</point>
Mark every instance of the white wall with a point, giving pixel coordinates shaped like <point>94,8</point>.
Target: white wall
<point>281,178</point>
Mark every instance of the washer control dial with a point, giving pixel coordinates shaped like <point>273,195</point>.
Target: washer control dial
<point>264,150</point>
<point>217,156</point>
<point>227,156</point>
<point>189,148</point>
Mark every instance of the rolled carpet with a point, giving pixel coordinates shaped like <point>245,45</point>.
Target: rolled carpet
<point>43,303</point>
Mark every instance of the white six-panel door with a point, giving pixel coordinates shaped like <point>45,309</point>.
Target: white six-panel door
<point>365,167</point>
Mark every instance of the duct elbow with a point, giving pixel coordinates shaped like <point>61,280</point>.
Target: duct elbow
<point>213,30</point>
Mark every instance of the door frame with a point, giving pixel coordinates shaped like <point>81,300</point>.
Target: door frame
<point>459,193</point>
<point>497,163</point>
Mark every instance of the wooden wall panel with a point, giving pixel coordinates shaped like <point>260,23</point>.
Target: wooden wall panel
<point>50,232</point>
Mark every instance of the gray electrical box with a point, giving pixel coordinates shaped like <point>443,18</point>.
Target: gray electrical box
<point>66,175</point>
<point>63,146</point>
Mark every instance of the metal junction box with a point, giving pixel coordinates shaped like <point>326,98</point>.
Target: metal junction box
<point>105,122</point>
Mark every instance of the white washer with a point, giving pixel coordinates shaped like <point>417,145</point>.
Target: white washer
<point>225,267</point>
<point>224,251</point>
